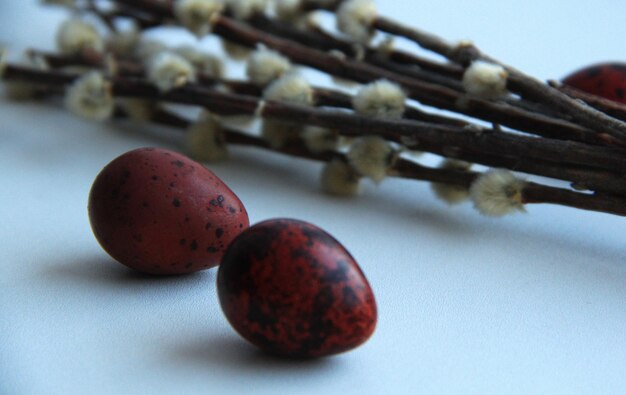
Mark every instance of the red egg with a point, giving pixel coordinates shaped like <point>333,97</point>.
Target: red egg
<point>291,289</point>
<point>607,80</point>
<point>159,212</point>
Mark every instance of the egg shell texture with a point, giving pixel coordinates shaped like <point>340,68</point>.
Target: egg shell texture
<point>159,212</point>
<point>291,289</point>
<point>607,80</point>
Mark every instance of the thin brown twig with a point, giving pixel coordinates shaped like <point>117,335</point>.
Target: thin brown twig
<point>586,165</point>
<point>532,193</point>
<point>615,109</point>
<point>427,93</point>
<point>519,82</point>
<point>323,96</point>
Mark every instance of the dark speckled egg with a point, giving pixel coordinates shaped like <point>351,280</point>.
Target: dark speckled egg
<point>607,80</point>
<point>291,289</point>
<point>159,212</point>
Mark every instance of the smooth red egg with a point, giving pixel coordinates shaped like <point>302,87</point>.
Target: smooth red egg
<point>159,212</point>
<point>291,289</point>
<point>607,80</point>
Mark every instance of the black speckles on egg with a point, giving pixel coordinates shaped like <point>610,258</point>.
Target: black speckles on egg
<point>594,72</point>
<point>231,210</point>
<point>607,80</point>
<point>147,208</point>
<point>219,202</point>
<point>219,232</point>
<point>339,274</point>
<point>349,297</point>
<point>292,289</point>
<point>256,315</point>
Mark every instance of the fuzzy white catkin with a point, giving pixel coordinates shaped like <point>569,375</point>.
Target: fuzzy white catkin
<point>139,109</point>
<point>245,9</point>
<point>319,139</point>
<point>497,193</point>
<point>23,90</point>
<point>293,13</point>
<point>3,61</point>
<point>64,3</point>
<point>372,156</point>
<point>339,179</point>
<point>147,49</point>
<point>203,62</point>
<point>288,10</point>
<point>124,43</point>
<point>485,80</point>
<point>291,88</point>
<point>355,19</point>
<point>265,65</point>
<point>168,71</point>
<point>90,97</point>
<point>234,50</point>
<point>380,99</point>
<point>75,35</point>
<point>205,139</point>
<point>197,15</point>
<point>278,133</point>
<point>452,194</point>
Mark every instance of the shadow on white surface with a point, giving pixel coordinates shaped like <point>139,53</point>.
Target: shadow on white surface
<point>103,271</point>
<point>234,354</point>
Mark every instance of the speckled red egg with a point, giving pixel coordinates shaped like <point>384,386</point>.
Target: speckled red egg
<point>607,80</point>
<point>159,212</point>
<point>291,289</point>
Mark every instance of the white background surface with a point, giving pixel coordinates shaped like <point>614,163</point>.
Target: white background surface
<point>531,303</point>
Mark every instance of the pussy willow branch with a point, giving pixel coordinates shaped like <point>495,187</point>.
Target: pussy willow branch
<point>448,75</point>
<point>519,82</point>
<point>532,193</point>
<point>326,97</point>
<point>427,93</point>
<point>489,148</point>
<point>322,96</point>
<point>445,74</point>
<point>615,109</point>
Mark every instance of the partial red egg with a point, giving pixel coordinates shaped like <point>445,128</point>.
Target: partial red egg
<point>159,212</point>
<point>291,289</point>
<point>607,80</point>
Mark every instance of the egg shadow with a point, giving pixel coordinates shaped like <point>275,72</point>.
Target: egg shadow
<point>104,272</point>
<point>234,355</point>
